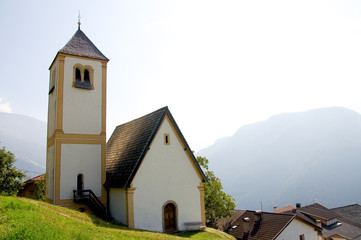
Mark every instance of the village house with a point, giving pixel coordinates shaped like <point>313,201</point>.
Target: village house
<point>146,176</point>
<point>258,225</point>
<point>334,225</point>
<point>352,212</point>
<point>29,187</point>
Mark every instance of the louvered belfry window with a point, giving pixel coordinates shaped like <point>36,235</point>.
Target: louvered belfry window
<point>82,77</point>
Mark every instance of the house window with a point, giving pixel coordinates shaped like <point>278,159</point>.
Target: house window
<point>83,77</point>
<point>302,237</point>
<point>166,139</point>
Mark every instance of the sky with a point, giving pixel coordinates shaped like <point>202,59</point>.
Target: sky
<point>217,65</point>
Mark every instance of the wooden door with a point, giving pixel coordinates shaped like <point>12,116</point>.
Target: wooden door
<point>169,217</point>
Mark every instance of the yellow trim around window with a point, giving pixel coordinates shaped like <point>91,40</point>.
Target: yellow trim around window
<point>82,69</point>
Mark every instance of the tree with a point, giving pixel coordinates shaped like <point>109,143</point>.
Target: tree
<point>10,177</point>
<point>218,204</point>
<point>40,186</point>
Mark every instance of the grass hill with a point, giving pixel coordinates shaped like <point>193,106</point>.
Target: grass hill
<point>22,218</point>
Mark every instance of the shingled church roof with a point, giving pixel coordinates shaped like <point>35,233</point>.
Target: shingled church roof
<point>80,45</point>
<point>130,142</point>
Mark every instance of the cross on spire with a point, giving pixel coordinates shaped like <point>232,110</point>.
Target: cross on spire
<point>79,19</point>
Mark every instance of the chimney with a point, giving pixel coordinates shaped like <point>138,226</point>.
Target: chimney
<point>274,208</point>
<point>298,205</point>
<point>258,216</point>
<point>245,225</point>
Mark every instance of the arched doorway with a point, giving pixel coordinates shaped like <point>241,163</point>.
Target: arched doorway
<point>170,216</point>
<point>80,182</point>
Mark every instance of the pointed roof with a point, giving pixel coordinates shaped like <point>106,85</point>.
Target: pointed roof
<point>80,45</point>
<point>264,227</point>
<point>284,209</point>
<point>319,211</point>
<point>352,212</point>
<point>269,227</point>
<point>130,142</point>
<point>342,227</point>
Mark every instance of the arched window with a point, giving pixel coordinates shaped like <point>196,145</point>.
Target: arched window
<point>77,75</point>
<point>86,76</point>
<point>83,77</point>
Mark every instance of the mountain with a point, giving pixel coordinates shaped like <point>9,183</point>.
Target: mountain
<point>304,157</point>
<point>26,138</point>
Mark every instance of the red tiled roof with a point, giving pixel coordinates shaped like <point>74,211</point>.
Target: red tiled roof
<point>37,178</point>
<point>284,209</point>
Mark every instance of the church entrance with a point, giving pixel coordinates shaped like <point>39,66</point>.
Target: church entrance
<point>170,217</point>
<point>80,182</point>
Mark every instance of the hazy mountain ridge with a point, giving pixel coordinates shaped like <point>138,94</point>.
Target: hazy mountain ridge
<point>26,138</point>
<point>292,157</point>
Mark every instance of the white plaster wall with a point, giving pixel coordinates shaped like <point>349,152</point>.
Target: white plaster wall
<point>52,101</point>
<point>118,205</point>
<point>80,159</point>
<point>166,174</point>
<point>297,228</point>
<point>50,172</point>
<point>81,107</point>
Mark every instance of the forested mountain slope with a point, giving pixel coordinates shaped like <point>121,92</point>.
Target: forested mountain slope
<point>305,157</point>
<point>26,138</point>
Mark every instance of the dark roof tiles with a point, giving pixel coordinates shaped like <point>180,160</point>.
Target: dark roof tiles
<point>224,223</point>
<point>319,211</point>
<point>80,45</point>
<point>270,226</point>
<point>128,145</point>
<point>352,212</point>
<point>343,227</point>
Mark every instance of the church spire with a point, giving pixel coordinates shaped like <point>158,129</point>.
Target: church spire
<point>80,45</point>
<point>79,19</point>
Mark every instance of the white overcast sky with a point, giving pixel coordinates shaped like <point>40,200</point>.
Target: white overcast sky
<point>218,65</point>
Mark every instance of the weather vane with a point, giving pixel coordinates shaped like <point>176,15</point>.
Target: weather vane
<point>79,19</point>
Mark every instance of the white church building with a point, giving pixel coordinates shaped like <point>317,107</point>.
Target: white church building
<point>145,177</point>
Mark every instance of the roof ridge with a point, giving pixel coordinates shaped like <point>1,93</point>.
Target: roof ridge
<point>144,116</point>
<point>285,226</point>
<point>149,141</point>
<point>130,142</point>
<point>354,204</point>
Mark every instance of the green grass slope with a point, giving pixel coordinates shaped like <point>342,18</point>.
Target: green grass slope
<point>22,218</point>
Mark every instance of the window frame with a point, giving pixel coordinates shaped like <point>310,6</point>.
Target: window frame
<point>166,139</point>
<point>82,84</point>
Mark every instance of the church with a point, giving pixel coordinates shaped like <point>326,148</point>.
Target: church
<point>145,176</point>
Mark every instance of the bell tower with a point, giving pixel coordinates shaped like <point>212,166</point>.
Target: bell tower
<point>76,137</point>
